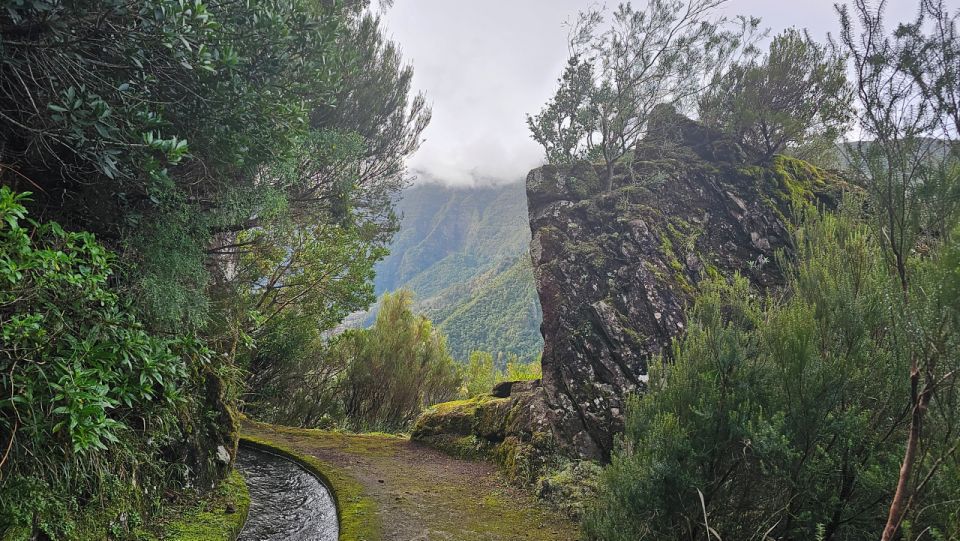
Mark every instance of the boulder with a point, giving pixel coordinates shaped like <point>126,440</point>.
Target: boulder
<point>615,270</point>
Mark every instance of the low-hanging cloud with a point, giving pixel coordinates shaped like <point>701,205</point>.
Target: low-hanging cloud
<point>485,65</point>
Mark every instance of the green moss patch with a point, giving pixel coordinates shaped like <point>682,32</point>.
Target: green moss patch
<point>793,181</point>
<point>460,417</point>
<point>218,517</point>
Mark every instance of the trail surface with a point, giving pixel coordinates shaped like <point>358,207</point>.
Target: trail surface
<point>424,495</point>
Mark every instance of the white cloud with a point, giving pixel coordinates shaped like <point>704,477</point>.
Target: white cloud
<point>484,65</point>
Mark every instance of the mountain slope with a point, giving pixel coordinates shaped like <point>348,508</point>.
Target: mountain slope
<point>463,252</point>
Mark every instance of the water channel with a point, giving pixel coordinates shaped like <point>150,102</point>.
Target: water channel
<point>287,503</point>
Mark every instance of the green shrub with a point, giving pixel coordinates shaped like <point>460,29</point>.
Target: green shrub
<point>482,372</point>
<point>379,378</point>
<point>784,418</point>
<point>90,399</point>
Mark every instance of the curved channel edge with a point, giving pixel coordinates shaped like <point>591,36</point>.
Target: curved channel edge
<point>356,512</point>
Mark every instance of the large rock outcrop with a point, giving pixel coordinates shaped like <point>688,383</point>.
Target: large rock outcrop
<point>617,259</point>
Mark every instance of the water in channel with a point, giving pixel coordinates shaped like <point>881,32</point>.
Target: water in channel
<point>287,503</point>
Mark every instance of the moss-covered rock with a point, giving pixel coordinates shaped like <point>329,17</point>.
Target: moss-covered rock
<point>571,486</point>
<point>574,182</point>
<point>449,418</point>
<point>615,270</point>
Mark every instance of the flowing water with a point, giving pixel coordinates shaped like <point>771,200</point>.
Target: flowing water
<point>287,503</point>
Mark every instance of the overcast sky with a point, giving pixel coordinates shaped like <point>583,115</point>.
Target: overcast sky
<point>485,64</point>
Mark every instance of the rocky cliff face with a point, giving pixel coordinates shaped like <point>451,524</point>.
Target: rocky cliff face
<point>616,262</point>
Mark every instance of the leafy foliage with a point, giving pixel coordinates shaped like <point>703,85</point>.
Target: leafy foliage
<point>83,383</point>
<point>240,158</point>
<point>795,96</point>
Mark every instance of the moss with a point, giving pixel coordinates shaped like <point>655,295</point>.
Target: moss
<point>356,511</point>
<point>628,329</point>
<point>791,180</point>
<point>489,418</point>
<point>464,447</point>
<point>128,511</point>
<point>655,270</point>
<point>515,458</point>
<point>456,417</point>
<point>584,181</point>
<point>571,486</point>
<point>16,533</point>
<point>219,516</point>
<point>523,461</point>
<point>666,246</point>
<point>441,496</point>
<point>591,252</point>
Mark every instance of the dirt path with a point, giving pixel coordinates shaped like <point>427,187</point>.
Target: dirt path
<point>424,495</point>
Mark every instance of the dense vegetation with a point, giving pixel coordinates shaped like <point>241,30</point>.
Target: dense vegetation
<point>195,194</point>
<point>785,417</point>
<point>378,378</point>
<point>236,163</point>
<point>826,409</point>
<point>89,380</point>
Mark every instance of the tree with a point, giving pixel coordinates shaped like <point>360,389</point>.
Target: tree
<point>240,158</point>
<point>667,52</point>
<point>797,94</point>
<point>397,368</point>
<point>378,378</point>
<point>906,85</point>
<point>482,372</point>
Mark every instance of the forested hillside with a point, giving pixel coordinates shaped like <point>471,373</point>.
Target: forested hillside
<point>463,253</point>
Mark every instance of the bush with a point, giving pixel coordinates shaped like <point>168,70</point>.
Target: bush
<point>379,378</point>
<point>482,372</point>
<point>798,95</point>
<point>784,419</point>
<point>78,375</point>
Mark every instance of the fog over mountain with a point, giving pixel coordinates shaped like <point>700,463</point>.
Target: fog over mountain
<point>500,59</point>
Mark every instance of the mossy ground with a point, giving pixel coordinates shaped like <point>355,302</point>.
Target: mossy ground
<point>217,517</point>
<point>419,493</point>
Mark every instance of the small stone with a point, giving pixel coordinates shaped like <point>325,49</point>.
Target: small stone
<point>231,508</point>
<point>223,455</point>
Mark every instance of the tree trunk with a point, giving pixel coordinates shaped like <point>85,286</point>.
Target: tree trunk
<point>898,507</point>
